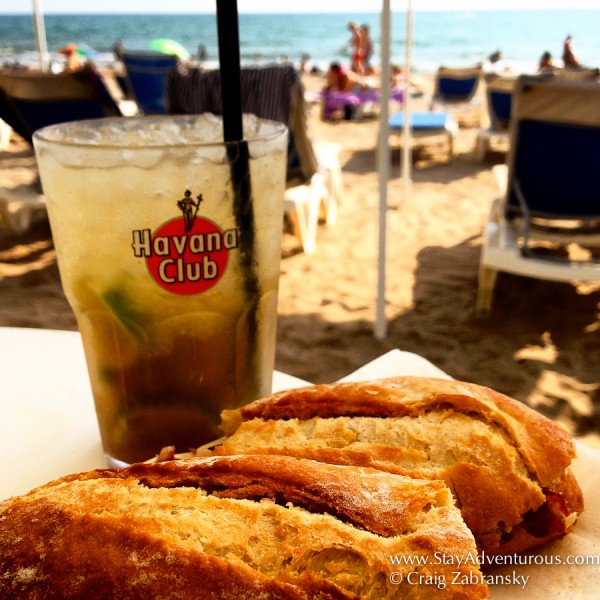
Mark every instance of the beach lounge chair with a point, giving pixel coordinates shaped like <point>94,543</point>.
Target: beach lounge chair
<point>499,104</point>
<point>426,124</point>
<point>584,73</point>
<point>145,78</point>
<point>30,100</point>
<point>314,183</point>
<point>456,89</point>
<point>546,222</point>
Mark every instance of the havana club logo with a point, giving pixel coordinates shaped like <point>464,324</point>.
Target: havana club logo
<point>189,254</point>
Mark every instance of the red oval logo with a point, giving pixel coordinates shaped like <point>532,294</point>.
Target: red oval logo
<point>186,255</point>
<point>187,262</point>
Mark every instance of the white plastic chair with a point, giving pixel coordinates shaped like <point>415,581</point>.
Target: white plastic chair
<point>303,205</point>
<point>328,158</point>
<point>20,207</point>
<point>308,204</point>
<point>5,135</point>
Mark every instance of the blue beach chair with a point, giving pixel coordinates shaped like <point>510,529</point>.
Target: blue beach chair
<point>499,105</point>
<point>456,88</point>
<point>145,76</point>
<point>549,190</point>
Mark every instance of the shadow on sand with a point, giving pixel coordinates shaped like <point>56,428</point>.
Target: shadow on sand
<point>542,338</point>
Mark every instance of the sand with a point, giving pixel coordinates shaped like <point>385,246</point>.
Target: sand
<point>541,344</point>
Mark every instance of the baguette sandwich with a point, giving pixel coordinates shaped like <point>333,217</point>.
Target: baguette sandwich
<point>507,465</point>
<point>235,528</point>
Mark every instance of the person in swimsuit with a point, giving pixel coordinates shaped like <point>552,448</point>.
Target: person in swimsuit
<point>340,80</point>
<point>546,65</point>
<point>357,62</point>
<point>367,50</point>
<point>569,59</point>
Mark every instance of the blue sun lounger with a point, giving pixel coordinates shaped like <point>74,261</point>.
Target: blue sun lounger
<point>456,89</point>
<point>425,124</point>
<point>546,222</point>
<point>499,104</point>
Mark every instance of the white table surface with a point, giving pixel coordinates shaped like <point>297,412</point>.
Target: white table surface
<point>48,429</point>
<point>48,425</point>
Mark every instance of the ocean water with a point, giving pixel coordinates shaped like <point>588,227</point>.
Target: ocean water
<point>451,38</point>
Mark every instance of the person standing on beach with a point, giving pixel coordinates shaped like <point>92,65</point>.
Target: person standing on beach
<point>304,67</point>
<point>202,54</point>
<point>367,49</point>
<point>119,49</point>
<point>357,61</point>
<point>569,59</point>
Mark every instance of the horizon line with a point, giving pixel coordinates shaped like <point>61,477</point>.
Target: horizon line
<point>82,11</point>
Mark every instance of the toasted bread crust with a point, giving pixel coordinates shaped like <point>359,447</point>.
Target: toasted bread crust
<point>370,505</point>
<point>506,477</point>
<point>232,528</point>
<point>546,447</point>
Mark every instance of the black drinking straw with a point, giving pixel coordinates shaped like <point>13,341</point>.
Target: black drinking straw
<point>229,60</point>
<point>239,157</point>
<point>237,146</point>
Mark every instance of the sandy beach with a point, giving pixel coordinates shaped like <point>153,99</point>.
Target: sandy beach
<point>541,344</point>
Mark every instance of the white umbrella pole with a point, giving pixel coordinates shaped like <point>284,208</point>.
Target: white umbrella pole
<point>407,132</point>
<point>40,34</point>
<point>383,168</point>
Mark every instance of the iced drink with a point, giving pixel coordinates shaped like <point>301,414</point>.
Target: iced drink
<point>174,291</point>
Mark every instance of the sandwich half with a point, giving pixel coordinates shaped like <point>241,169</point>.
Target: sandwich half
<point>507,465</point>
<point>236,528</point>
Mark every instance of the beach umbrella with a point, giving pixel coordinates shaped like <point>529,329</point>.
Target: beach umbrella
<point>81,50</point>
<point>383,155</point>
<point>40,35</point>
<point>86,51</point>
<point>167,46</point>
